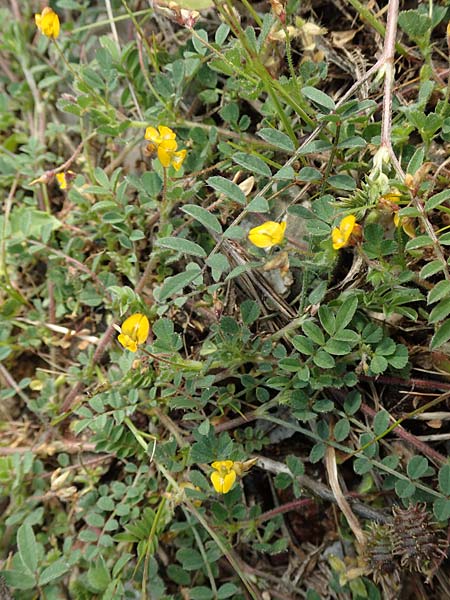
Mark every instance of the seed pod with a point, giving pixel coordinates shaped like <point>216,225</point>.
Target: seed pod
<point>417,543</point>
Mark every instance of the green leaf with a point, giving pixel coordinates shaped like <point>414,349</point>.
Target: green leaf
<point>203,216</point>
<point>362,465</point>
<point>342,182</point>
<point>295,465</point>
<point>441,335</point>
<point>277,138</point>
<point>417,25</point>
<point>55,570</point>
<point>317,452</point>
<point>27,546</point>
<point>252,163</point>
<point>417,466</point>
<point>226,591</point>
<point>190,559</point>
<point>307,174</point>
<point>431,268</point>
<point>21,580</point>
<point>250,311</point>
<point>400,359</point>
<point>439,291</point>
<point>437,199</point>
<point>444,479</point>
<point>346,312</point>
<point>181,245</point>
<point>285,173</point>
<point>303,344</point>
<point>221,32</point>
<point>419,242</point>
<point>258,205</point>
<point>29,222</point>
<point>381,422</point>
<point>173,285</point>
<point>228,188</point>
<point>179,575</point>
<point>199,46</point>
<point>445,239</point>
<point>352,402</point>
<point>416,160</point>
<point>440,311</point>
<point>235,232</point>
<point>347,335</point>
<point>327,319</point>
<point>323,360</point>
<point>98,575</point>
<point>201,592</point>
<point>218,263</point>
<point>337,347</point>
<point>441,509</point>
<point>404,489</point>
<point>319,97</point>
<point>341,430</point>
<point>378,364</point>
<point>313,332</point>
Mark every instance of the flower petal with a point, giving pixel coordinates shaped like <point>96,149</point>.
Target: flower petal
<point>178,159</point>
<point>127,342</point>
<point>136,327</point>
<point>166,133</point>
<point>347,225</point>
<point>62,181</point>
<point>217,481</point>
<point>268,234</point>
<point>228,482</point>
<point>152,135</point>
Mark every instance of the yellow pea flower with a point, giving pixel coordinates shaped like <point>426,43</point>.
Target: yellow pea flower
<point>47,22</point>
<point>268,234</point>
<point>134,331</point>
<point>168,155</point>
<point>62,181</point>
<point>224,476</point>
<point>406,223</point>
<point>160,135</point>
<point>341,236</point>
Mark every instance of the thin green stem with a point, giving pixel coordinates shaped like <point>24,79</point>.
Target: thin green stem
<point>142,35</point>
<point>104,22</point>
<point>150,538</point>
<point>227,551</point>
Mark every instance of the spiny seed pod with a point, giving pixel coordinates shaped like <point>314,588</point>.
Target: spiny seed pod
<point>379,551</point>
<point>416,541</point>
<point>4,590</point>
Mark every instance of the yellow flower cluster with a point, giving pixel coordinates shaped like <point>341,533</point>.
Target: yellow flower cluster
<point>163,141</point>
<point>47,22</point>
<point>134,332</point>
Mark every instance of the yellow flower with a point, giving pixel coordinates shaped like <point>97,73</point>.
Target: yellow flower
<point>62,181</point>
<point>134,331</point>
<point>406,224</point>
<point>47,22</point>
<point>268,234</point>
<point>160,135</point>
<point>168,155</point>
<point>340,236</point>
<point>224,476</point>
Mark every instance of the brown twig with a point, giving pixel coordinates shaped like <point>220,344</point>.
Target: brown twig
<point>400,432</point>
<point>321,490</point>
